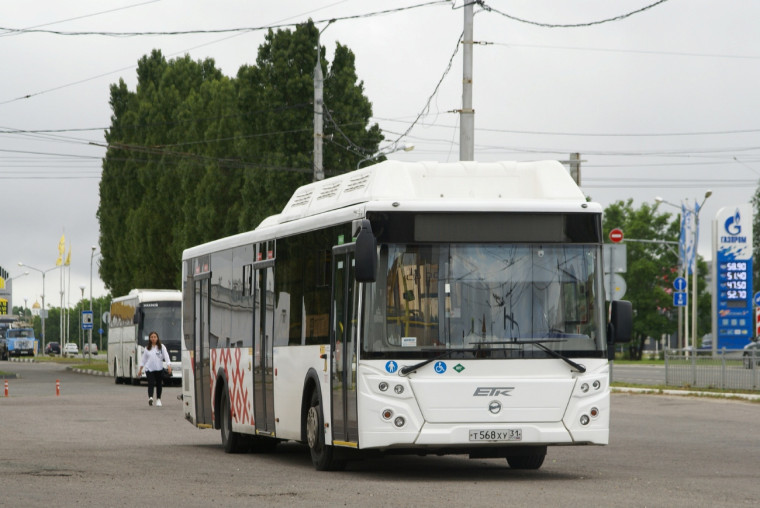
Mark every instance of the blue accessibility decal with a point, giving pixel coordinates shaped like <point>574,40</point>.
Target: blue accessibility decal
<point>440,367</point>
<point>391,366</point>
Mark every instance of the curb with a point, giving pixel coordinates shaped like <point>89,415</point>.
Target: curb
<point>88,371</point>
<point>687,393</point>
<point>72,369</point>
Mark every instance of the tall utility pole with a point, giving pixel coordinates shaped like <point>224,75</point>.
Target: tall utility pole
<point>575,167</point>
<point>319,82</point>
<point>467,114</point>
<point>89,342</point>
<point>319,104</point>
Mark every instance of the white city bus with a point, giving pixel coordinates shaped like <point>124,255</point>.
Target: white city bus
<point>407,308</point>
<point>131,320</point>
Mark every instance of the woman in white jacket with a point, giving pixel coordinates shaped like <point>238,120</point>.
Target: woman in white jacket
<point>152,361</point>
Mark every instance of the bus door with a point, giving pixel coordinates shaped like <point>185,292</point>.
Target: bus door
<point>263,341</point>
<point>202,365</point>
<point>343,336</point>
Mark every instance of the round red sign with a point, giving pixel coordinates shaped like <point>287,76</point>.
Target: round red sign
<point>616,235</point>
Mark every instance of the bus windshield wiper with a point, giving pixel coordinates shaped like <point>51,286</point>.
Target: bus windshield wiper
<point>540,344</point>
<point>403,371</point>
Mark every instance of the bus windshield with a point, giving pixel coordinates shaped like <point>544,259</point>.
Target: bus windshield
<point>162,317</point>
<point>486,296</point>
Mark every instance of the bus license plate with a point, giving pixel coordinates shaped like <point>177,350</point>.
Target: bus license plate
<point>496,435</point>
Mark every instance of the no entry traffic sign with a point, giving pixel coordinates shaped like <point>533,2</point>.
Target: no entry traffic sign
<point>616,235</point>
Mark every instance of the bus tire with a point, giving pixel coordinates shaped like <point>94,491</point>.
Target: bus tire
<point>134,381</point>
<point>526,461</point>
<point>232,442</point>
<point>322,455</point>
<point>116,379</point>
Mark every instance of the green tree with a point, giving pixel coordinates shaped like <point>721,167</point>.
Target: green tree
<point>194,155</point>
<point>23,313</point>
<point>652,266</point>
<point>756,237</point>
<point>279,90</point>
<point>141,238</point>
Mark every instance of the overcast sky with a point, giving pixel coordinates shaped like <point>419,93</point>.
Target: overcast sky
<point>663,102</point>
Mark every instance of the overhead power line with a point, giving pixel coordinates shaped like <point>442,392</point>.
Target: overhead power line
<point>218,30</point>
<point>571,25</point>
<point>426,107</point>
<point>80,17</point>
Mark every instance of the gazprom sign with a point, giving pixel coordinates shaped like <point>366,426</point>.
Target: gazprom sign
<point>735,323</point>
<point>6,306</point>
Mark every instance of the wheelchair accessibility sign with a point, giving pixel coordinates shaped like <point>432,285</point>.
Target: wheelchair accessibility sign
<point>440,367</point>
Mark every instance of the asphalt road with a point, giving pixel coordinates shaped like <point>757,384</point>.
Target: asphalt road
<point>100,444</point>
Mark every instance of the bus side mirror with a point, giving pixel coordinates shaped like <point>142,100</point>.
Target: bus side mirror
<point>138,317</point>
<point>621,321</point>
<point>365,255</point>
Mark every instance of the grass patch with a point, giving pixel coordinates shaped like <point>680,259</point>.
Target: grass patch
<point>97,363</point>
<point>58,359</point>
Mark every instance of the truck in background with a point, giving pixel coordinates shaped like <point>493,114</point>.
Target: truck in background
<point>20,341</point>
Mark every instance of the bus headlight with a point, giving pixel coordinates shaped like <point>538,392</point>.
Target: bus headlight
<point>399,422</point>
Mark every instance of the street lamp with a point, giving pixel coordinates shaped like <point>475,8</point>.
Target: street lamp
<point>81,288</point>
<point>682,323</point>
<point>697,208</point>
<point>684,208</point>
<point>16,276</point>
<point>89,347</point>
<point>391,149</point>
<point>44,310</point>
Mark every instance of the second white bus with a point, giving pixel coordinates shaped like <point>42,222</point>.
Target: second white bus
<point>132,318</point>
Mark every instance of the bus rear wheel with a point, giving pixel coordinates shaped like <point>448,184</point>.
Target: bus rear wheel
<point>322,455</point>
<point>232,442</point>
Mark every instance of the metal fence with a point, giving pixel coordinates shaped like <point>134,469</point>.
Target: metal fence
<point>728,369</point>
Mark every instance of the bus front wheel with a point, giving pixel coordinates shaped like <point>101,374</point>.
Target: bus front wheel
<point>529,460</point>
<point>322,455</point>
